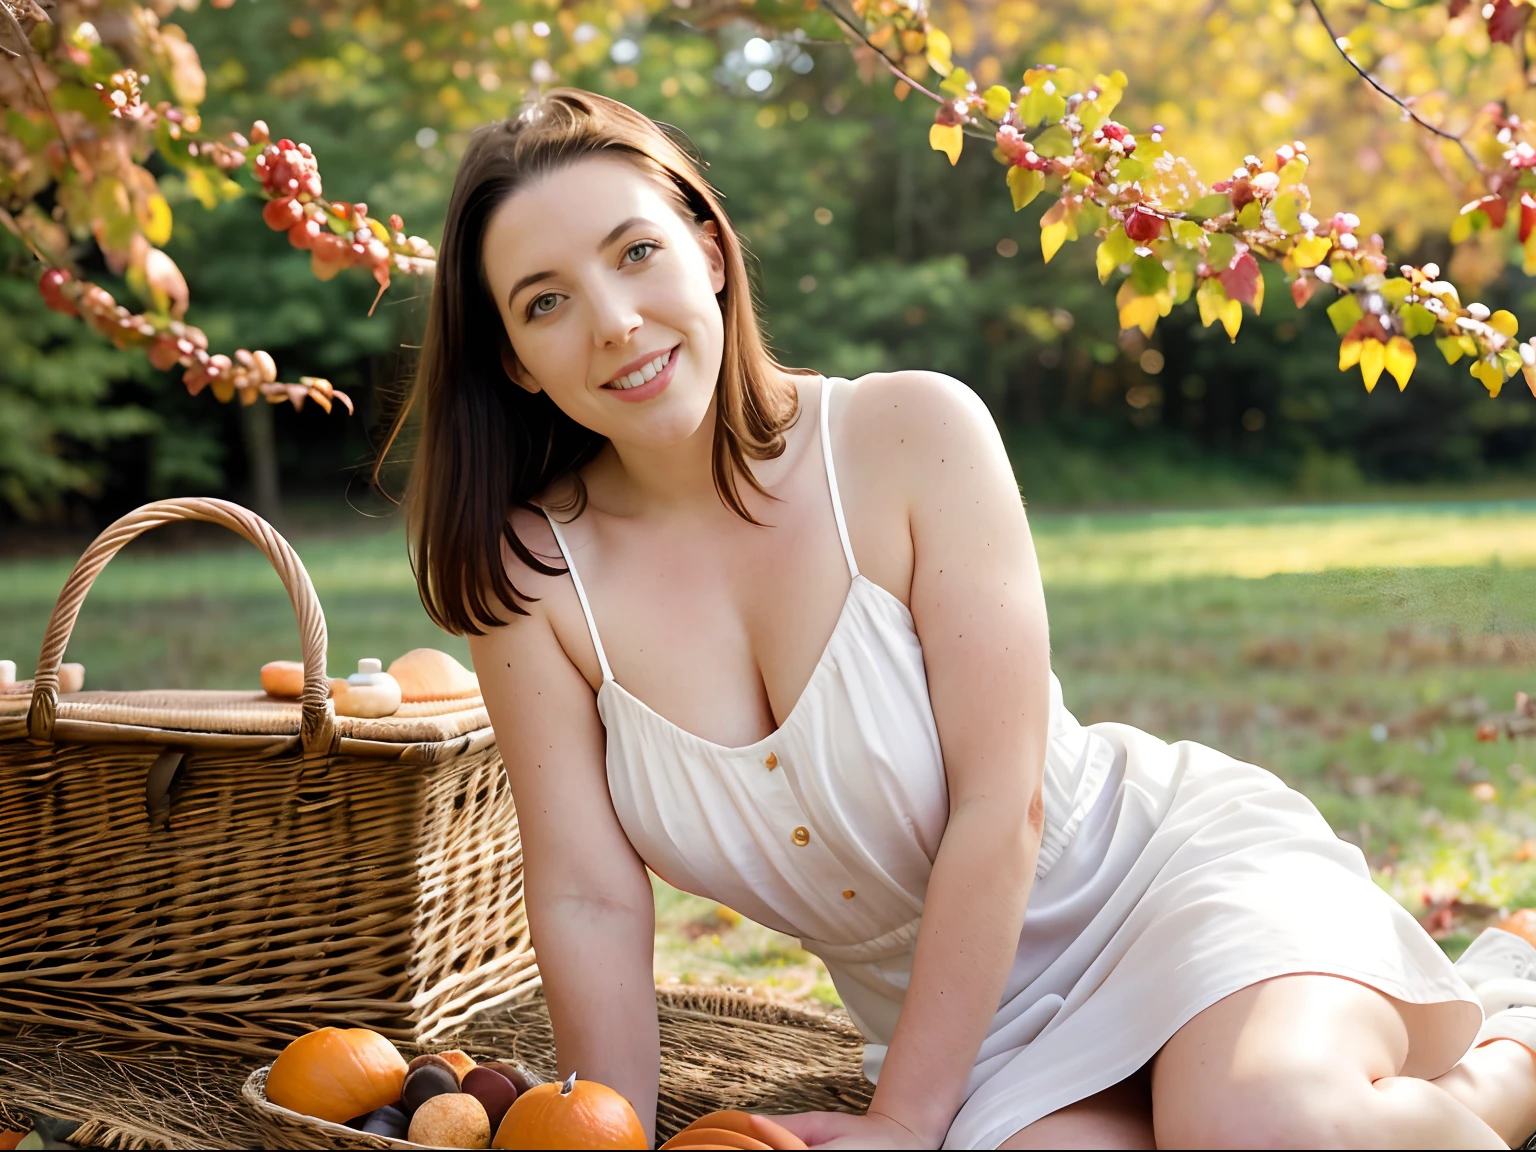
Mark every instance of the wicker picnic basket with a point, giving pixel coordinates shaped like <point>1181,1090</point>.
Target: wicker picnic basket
<point>230,870</point>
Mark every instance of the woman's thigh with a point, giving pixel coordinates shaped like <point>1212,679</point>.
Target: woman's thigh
<point>1298,1062</point>
<point>1118,1117</point>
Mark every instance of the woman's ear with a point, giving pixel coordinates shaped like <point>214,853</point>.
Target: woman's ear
<point>714,255</point>
<point>515,371</point>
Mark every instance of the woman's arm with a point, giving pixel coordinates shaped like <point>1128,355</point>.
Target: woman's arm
<point>979,607</point>
<point>591,911</point>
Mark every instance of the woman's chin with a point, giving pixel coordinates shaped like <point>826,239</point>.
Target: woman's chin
<point>667,420</point>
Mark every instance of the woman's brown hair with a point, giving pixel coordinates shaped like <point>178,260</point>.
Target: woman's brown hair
<point>487,446</point>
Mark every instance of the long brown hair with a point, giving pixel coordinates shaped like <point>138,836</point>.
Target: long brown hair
<point>487,446</point>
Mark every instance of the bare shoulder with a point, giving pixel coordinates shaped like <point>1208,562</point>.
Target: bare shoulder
<point>913,424</point>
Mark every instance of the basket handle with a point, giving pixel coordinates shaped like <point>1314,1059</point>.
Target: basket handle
<point>318,716</point>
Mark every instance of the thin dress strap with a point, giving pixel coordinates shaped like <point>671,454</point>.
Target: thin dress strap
<point>581,594</point>
<point>837,500</point>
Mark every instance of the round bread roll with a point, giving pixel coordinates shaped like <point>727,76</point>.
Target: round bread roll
<point>283,678</point>
<point>428,674</point>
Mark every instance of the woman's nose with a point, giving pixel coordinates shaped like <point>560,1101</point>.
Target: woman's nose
<point>615,317</point>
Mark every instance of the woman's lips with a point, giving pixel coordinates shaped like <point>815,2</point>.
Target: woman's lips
<point>652,387</point>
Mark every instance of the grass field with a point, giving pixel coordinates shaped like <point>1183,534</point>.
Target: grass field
<point>1352,650</point>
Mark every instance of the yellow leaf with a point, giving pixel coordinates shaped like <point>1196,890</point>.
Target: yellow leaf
<point>1052,237</point>
<point>1530,254</point>
<point>1349,353</point>
<point>939,52</point>
<point>1505,322</point>
<point>1140,312</point>
<point>1373,356</point>
<point>1231,317</point>
<point>1208,298</point>
<point>155,220</point>
<point>1024,184</point>
<point>1491,376</point>
<point>946,138</point>
<point>1530,377</point>
<point>1400,360</point>
<point>1258,296</point>
<point>1310,251</point>
<point>996,100</point>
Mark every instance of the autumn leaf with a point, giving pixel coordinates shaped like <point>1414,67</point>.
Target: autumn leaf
<point>1212,300</point>
<point>1116,249</point>
<point>939,51</point>
<point>1056,228</point>
<point>946,138</point>
<point>1504,322</point>
<point>1024,184</point>
<point>1506,21</point>
<point>1400,360</point>
<point>1373,358</point>
<point>1489,375</point>
<point>1310,251</point>
<point>1345,313</point>
<point>995,100</point>
<point>1243,282</point>
<point>1301,290</point>
<point>1349,352</point>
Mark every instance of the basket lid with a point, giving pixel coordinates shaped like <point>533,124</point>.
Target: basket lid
<point>158,715</point>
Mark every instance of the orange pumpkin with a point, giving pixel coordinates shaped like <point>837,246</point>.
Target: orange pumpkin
<point>575,1114</point>
<point>1521,923</point>
<point>724,1128</point>
<point>9,1139</point>
<point>336,1074</point>
<point>714,1138</point>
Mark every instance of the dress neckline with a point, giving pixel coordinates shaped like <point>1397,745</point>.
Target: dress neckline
<point>822,663</point>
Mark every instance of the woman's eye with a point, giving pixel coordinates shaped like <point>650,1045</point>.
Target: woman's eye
<point>645,248</point>
<point>545,303</point>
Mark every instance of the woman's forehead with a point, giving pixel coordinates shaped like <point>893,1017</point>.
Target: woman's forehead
<point>572,210</point>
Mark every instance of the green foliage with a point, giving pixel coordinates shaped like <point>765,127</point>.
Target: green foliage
<point>56,411</point>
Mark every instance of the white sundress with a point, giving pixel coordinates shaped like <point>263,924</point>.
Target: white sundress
<point>1170,875</point>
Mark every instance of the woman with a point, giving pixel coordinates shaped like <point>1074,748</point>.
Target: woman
<point>782,639</point>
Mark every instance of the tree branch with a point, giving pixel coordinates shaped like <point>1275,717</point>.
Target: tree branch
<point>1376,84</point>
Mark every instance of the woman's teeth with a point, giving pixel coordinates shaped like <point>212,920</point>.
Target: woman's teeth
<point>641,375</point>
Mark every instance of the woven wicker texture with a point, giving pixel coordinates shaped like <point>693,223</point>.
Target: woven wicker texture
<point>254,713</point>
<point>171,872</point>
<point>720,1049</point>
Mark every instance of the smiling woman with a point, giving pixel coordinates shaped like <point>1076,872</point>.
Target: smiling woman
<point>801,666</point>
<point>510,399</point>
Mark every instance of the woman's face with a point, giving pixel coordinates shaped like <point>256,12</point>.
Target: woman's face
<point>608,298</point>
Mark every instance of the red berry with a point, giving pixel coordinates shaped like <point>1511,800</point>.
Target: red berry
<point>282,214</point>
<point>949,115</point>
<point>304,234</point>
<point>1143,224</point>
<point>51,287</point>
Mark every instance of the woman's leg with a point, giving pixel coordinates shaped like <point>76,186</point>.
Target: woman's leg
<point>1119,1117</point>
<point>1315,1061</point>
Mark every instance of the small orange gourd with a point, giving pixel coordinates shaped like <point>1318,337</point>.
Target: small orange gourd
<point>575,1114</point>
<point>336,1073</point>
<point>1521,923</point>
<point>734,1129</point>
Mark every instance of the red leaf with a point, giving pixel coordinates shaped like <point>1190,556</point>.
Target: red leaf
<point>1494,208</point>
<point>1507,22</point>
<point>1301,290</point>
<point>1242,279</point>
<point>1527,216</point>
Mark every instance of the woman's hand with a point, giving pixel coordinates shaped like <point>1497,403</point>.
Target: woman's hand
<point>841,1130</point>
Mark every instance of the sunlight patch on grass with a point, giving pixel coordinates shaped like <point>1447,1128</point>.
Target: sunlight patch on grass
<point>1155,547</point>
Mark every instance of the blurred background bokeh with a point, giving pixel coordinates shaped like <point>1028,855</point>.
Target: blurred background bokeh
<point>1241,545</point>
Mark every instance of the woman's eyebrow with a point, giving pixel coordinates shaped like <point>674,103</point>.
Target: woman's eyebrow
<point>535,277</point>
